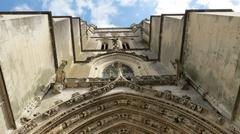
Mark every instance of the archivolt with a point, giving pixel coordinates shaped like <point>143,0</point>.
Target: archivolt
<point>153,111</point>
<point>151,114</point>
<point>124,127</point>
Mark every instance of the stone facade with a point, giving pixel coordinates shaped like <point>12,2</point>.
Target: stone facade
<point>172,74</point>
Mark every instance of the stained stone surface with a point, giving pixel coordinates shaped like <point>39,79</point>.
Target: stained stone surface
<point>180,74</point>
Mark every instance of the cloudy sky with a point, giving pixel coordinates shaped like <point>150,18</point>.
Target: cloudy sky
<point>111,13</point>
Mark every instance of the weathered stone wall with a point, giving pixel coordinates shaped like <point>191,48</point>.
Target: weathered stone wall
<point>3,120</point>
<point>155,31</point>
<point>63,40</point>
<point>76,35</point>
<point>172,29</point>
<point>26,57</point>
<point>146,31</point>
<point>84,34</point>
<point>211,57</point>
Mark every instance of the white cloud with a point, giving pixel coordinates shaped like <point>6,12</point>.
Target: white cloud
<point>127,2</point>
<point>214,4</point>
<point>22,7</point>
<point>82,5</point>
<point>171,6</point>
<point>100,12</point>
<point>179,6</point>
<point>59,7</point>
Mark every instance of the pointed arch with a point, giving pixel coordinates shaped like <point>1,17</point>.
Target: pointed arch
<point>154,111</point>
<point>137,64</point>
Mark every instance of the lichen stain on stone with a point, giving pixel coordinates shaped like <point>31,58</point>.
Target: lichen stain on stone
<point>42,80</point>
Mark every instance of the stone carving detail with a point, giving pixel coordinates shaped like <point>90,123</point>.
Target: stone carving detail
<point>50,112</point>
<point>159,106</point>
<point>220,119</point>
<point>27,127</point>
<point>75,94</point>
<point>140,80</point>
<point>116,51</point>
<point>24,120</point>
<point>131,118</point>
<point>85,115</point>
<point>234,130</point>
<point>185,100</point>
<point>125,130</point>
<point>58,102</point>
<point>60,78</point>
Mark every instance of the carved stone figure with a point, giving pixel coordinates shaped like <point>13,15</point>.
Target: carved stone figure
<point>60,78</point>
<point>180,69</point>
<point>24,120</point>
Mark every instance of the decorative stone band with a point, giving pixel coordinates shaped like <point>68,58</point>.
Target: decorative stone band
<point>126,128</point>
<point>149,110</point>
<point>89,59</point>
<point>140,80</point>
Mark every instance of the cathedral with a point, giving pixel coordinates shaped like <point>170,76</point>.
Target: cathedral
<point>170,74</point>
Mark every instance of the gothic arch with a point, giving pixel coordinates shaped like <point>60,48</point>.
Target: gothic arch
<point>145,120</point>
<point>137,64</point>
<point>116,69</point>
<point>155,111</point>
<point>151,114</point>
<point>129,128</point>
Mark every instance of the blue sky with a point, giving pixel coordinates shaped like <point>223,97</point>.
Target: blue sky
<point>112,13</point>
